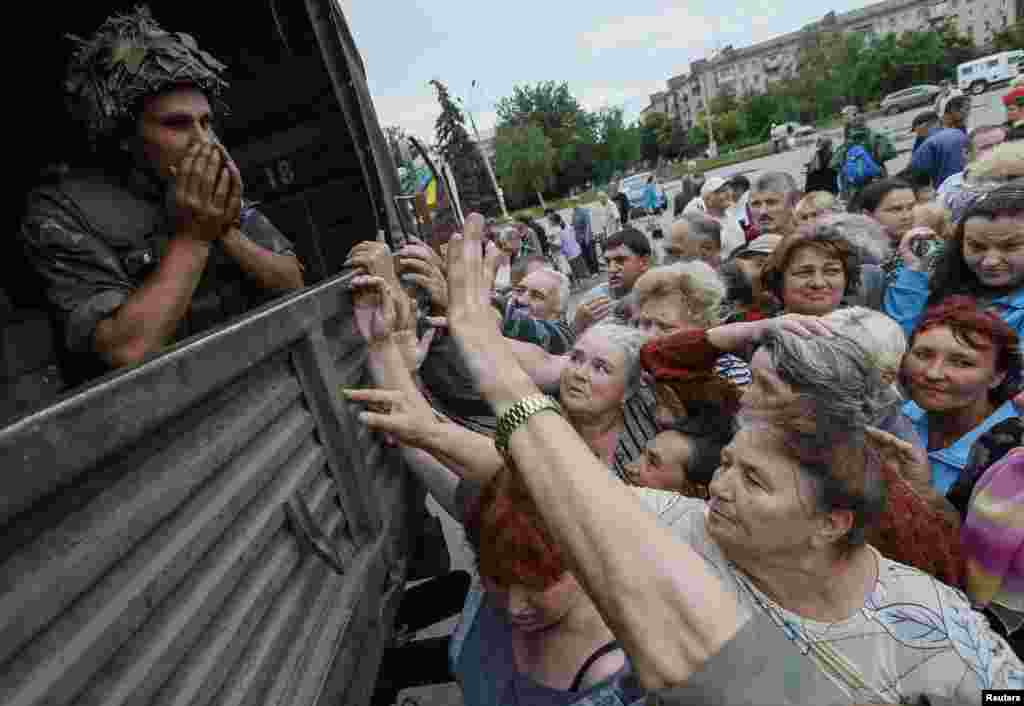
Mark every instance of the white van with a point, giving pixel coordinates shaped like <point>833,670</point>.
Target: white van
<point>978,75</point>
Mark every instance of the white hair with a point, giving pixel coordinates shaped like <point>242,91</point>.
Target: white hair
<point>881,337</point>
<point>629,340</point>
<point>864,233</point>
<point>701,289</point>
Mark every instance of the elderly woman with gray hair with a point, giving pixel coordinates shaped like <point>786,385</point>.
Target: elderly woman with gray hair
<point>599,392</point>
<point>772,573</point>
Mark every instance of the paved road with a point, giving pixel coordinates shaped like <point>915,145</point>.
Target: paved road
<point>986,109</point>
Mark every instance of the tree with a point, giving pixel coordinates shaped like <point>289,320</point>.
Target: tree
<point>618,143</point>
<point>1011,37</point>
<point>461,153</point>
<point>552,107</point>
<point>656,136</point>
<point>526,159</point>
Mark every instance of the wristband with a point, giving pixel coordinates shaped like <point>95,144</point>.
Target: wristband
<point>517,415</point>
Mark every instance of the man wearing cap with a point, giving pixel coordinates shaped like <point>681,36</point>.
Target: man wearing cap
<point>943,153</point>
<point>1014,102</point>
<point>742,275</point>
<point>715,201</point>
<point>955,112</point>
<point>923,124</point>
<point>158,243</point>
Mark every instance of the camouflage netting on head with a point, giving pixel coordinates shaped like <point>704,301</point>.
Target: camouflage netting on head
<point>129,58</point>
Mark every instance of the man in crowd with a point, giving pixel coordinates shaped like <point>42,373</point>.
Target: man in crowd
<point>956,111</point>
<point>747,300</point>
<point>715,201</point>
<point>943,153</point>
<point>694,237</point>
<point>772,200</point>
<point>628,254</point>
<point>581,225</point>
<point>536,311</point>
<point>861,158</point>
<point>923,124</point>
<point>158,244</point>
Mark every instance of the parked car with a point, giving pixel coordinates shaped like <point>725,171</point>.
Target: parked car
<point>979,75</point>
<point>633,187</point>
<point>913,97</point>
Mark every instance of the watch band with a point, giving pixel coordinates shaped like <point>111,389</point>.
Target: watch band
<point>518,414</point>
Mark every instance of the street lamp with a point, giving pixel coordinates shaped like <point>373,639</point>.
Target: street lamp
<point>483,156</point>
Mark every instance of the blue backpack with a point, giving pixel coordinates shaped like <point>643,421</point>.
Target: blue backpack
<point>860,167</point>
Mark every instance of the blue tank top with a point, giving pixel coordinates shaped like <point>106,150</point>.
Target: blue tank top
<point>483,662</point>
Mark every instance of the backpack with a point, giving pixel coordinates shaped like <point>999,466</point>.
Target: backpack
<point>860,167</point>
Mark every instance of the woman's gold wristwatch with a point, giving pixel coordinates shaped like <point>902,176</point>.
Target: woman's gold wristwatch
<point>518,414</point>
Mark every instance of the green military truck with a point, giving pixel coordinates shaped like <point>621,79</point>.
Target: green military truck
<point>211,526</point>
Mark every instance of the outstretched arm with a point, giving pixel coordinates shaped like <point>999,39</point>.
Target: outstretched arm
<point>658,596</point>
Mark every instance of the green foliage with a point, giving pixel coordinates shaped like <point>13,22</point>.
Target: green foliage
<point>525,159</point>
<point>459,151</point>
<point>1010,38</point>
<point>655,136</point>
<point>838,69</point>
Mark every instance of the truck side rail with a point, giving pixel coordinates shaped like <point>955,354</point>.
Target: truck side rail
<point>210,527</point>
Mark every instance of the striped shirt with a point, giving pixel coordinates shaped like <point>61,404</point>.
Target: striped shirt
<point>639,427</point>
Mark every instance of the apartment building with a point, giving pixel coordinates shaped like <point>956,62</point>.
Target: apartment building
<point>752,69</point>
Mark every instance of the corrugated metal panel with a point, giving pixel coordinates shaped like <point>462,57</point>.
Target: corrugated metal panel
<point>180,581</point>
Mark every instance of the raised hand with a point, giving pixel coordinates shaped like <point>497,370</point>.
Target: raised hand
<point>375,260</point>
<point>902,458</point>
<point>802,325</point>
<point>205,194</point>
<point>394,413</point>
<point>374,308</point>
<point>423,272</point>
<point>906,248</point>
<point>590,312</point>
<point>473,321</point>
<point>416,248</point>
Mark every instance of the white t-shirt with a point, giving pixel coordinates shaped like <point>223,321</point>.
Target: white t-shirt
<point>914,636</point>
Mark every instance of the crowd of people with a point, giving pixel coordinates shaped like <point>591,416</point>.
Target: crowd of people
<point>790,441</point>
<point>778,462</point>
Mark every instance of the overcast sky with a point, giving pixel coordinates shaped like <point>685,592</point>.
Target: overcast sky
<point>610,52</point>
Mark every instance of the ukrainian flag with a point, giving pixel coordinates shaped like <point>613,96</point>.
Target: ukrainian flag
<point>428,187</point>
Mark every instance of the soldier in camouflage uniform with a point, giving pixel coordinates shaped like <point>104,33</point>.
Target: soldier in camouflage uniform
<point>155,243</point>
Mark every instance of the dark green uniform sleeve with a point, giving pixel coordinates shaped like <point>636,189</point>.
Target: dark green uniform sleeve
<point>261,231</point>
<point>84,279</point>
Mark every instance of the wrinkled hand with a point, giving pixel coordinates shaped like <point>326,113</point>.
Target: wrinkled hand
<point>374,308</point>
<point>802,325</point>
<point>394,413</point>
<point>416,248</point>
<point>472,319</point>
<point>422,271</point>
<point>205,192</point>
<point>906,248</point>
<point>902,458</point>
<point>375,260</point>
<point>590,312</point>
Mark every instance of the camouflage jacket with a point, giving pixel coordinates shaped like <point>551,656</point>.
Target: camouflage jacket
<point>93,238</point>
